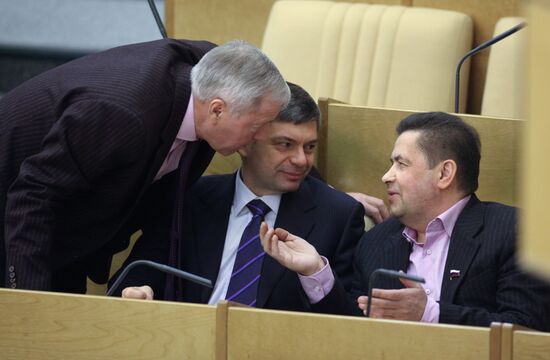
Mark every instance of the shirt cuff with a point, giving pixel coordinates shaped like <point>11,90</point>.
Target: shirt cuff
<point>431,311</point>
<point>318,285</point>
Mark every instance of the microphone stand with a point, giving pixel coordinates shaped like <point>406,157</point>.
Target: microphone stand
<point>155,12</point>
<point>164,268</point>
<point>482,46</point>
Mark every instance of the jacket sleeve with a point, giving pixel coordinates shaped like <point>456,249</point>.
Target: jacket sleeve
<point>520,299</point>
<point>83,145</point>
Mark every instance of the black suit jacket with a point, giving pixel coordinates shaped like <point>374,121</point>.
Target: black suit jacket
<point>79,148</point>
<point>330,220</point>
<point>490,287</point>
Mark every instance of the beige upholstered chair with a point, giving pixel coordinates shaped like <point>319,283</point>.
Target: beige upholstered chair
<point>375,55</point>
<point>504,86</point>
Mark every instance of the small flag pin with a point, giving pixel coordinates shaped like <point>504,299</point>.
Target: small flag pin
<point>454,274</point>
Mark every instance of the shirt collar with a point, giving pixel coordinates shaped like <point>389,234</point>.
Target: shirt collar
<point>187,128</point>
<point>445,220</point>
<point>243,195</point>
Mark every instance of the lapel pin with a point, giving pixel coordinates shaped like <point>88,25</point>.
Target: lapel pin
<point>454,274</point>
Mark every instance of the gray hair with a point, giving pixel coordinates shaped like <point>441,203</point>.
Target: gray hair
<point>240,74</point>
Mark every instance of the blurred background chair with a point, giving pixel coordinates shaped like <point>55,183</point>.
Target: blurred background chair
<point>374,55</point>
<point>504,85</point>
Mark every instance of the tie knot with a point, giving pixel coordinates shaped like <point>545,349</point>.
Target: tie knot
<point>258,207</point>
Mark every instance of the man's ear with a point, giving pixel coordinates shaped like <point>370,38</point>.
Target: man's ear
<point>446,173</point>
<point>244,151</point>
<point>216,108</point>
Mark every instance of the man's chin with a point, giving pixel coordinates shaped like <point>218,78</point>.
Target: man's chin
<point>290,186</point>
<point>226,152</point>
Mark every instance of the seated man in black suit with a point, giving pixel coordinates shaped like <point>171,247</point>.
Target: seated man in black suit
<point>275,169</point>
<point>464,248</point>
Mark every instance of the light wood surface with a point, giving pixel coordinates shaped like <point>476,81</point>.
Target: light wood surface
<point>535,239</point>
<point>360,141</point>
<point>217,20</point>
<point>529,345</point>
<point>39,325</point>
<point>262,334</point>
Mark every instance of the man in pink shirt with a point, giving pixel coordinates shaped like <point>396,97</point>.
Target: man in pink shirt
<point>88,148</point>
<point>439,230</point>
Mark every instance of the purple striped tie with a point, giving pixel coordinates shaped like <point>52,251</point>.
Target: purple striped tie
<point>245,277</point>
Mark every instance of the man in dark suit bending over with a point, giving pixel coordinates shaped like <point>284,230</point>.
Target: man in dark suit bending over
<point>274,170</point>
<point>464,248</point>
<point>87,148</point>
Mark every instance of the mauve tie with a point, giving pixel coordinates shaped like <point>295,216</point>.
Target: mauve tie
<point>245,277</point>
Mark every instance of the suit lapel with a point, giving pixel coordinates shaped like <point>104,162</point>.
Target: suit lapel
<point>210,226</point>
<point>463,247</point>
<point>394,256</point>
<point>200,162</point>
<point>296,214</point>
<point>180,103</point>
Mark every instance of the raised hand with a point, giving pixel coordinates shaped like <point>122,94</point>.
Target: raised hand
<point>290,250</point>
<point>374,207</point>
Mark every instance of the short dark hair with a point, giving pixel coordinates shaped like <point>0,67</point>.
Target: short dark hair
<point>445,136</point>
<point>300,109</point>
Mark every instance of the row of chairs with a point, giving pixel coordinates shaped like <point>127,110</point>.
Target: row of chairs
<point>388,55</point>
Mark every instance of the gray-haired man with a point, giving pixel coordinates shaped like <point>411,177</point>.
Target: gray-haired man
<point>84,147</point>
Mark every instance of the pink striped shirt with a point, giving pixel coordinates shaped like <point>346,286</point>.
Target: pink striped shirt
<point>428,260</point>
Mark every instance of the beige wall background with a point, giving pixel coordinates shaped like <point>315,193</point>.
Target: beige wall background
<point>223,20</point>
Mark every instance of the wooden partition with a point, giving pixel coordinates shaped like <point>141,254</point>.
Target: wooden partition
<point>40,325</point>
<point>360,140</point>
<point>529,345</point>
<point>520,343</point>
<point>262,334</point>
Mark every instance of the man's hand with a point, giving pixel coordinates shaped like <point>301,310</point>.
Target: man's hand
<point>138,292</point>
<point>374,207</point>
<point>400,304</point>
<point>290,251</point>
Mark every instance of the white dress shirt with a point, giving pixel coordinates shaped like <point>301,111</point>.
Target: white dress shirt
<point>238,220</point>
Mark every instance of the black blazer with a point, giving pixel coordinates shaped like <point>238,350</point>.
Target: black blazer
<point>79,148</point>
<point>491,287</point>
<point>330,220</point>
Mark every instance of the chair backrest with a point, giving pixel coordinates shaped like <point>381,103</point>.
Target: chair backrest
<point>502,95</point>
<point>374,55</point>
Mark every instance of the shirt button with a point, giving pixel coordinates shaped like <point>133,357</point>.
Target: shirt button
<point>428,291</point>
<point>12,274</point>
<point>13,286</point>
<point>429,252</point>
<point>11,268</point>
